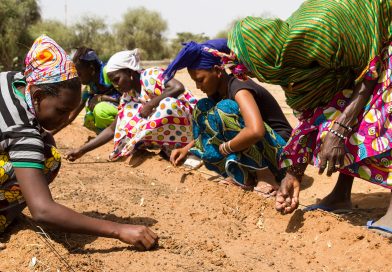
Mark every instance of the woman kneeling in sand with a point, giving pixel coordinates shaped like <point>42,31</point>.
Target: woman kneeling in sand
<point>153,112</point>
<point>40,100</point>
<point>240,128</point>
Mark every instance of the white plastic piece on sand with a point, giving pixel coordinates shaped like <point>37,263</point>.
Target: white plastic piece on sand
<point>193,162</point>
<point>329,244</point>
<point>33,262</point>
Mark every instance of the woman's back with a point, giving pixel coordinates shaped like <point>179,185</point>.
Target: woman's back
<point>321,49</point>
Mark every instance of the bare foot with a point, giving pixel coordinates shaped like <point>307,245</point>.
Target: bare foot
<point>227,181</point>
<point>335,201</point>
<point>265,189</point>
<point>340,197</point>
<point>230,181</point>
<point>266,185</point>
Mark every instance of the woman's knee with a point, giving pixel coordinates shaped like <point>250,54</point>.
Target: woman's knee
<point>104,109</point>
<point>228,106</point>
<point>204,105</point>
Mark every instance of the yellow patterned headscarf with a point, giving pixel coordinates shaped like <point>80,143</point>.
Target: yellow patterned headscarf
<point>47,62</point>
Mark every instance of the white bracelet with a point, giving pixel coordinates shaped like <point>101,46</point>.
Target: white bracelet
<point>225,152</point>
<point>229,147</point>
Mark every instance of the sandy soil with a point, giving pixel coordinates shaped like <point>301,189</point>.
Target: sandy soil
<point>203,226</point>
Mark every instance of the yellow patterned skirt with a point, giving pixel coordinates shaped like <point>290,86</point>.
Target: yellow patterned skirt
<point>11,198</point>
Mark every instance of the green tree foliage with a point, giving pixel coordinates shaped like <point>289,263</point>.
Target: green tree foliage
<point>20,24</point>
<point>144,29</point>
<point>94,33</point>
<point>15,18</point>
<point>182,37</point>
<point>56,30</point>
<point>224,33</point>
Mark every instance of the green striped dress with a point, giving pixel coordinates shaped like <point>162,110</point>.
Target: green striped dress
<point>320,50</point>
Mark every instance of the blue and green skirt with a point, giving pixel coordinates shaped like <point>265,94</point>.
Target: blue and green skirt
<point>216,123</point>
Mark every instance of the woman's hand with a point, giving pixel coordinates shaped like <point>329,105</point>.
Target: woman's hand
<point>332,153</point>
<point>287,197</point>
<point>333,147</point>
<point>74,154</point>
<point>178,155</point>
<point>140,236</point>
<point>147,109</point>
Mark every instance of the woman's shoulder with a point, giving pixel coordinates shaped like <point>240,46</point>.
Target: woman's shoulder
<point>236,84</point>
<point>10,76</point>
<point>13,109</point>
<point>152,71</point>
<point>151,77</point>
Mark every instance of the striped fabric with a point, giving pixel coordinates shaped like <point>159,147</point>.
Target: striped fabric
<point>19,131</point>
<point>321,49</point>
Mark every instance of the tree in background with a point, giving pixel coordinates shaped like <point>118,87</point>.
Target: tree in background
<point>144,29</point>
<point>94,33</point>
<point>90,31</point>
<point>20,24</point>
<point>224,33</point>
<point>183,37</point>
<point>15,18</point>
<point>56,30</point>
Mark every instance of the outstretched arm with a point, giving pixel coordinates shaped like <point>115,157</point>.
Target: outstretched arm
<point>332,149</point>
<point>105,136</point>
<point>45,210</point>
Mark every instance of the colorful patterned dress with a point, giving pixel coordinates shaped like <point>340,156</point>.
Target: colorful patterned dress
<point>11,198</point>
<point>168,127</point>
<point>369,146</point>
<point>317,56</point>
<point>216,123</point>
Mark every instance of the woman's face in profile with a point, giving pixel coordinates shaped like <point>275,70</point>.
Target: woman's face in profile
<point>121,80</point>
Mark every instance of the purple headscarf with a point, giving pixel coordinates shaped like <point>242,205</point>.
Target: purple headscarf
<point>193,56</point>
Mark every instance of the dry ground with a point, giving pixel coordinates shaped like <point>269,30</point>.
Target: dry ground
<point>203,226</point>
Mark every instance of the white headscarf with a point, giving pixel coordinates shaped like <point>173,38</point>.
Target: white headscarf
<point>125,59</point>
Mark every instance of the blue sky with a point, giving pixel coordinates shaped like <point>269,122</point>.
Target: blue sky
<point>201,16</point>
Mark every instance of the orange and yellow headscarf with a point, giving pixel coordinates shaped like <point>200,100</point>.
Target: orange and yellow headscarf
<point>47,62</point>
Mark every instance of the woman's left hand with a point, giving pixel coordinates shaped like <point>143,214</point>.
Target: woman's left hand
<point>332,154</point>
<point>147,109</point>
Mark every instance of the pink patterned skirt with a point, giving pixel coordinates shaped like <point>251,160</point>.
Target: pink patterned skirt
<point>368,146</point>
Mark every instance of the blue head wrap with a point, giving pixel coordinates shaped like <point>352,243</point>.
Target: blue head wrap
<point>90,56</point>
<point>193,56</point>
